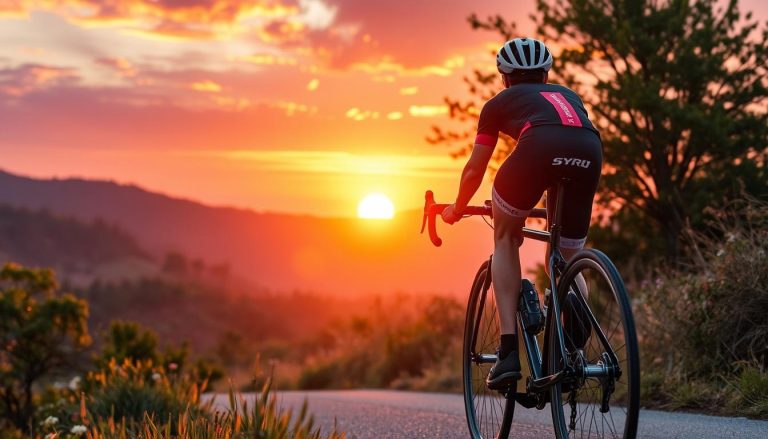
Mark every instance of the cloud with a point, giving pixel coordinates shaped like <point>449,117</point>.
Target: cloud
<point>121,66</point>
<point>206,86</point>
<point>316,14</point>
<point>268,59</point>
<point>340,162</point>
<point>11,9</point>
<point>427,110</point>
<point>293,108</point>
<point>358,114</point>
<point>412,34</point>
<point>387,66</point>
<point>186,19</point>
<point>385,40</point>
<point>28,78</point>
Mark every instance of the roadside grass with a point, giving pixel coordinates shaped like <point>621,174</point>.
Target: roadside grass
<point>139,400</point>
<point>744,394</point>
<point>703,325</point>
<point>751,392</point>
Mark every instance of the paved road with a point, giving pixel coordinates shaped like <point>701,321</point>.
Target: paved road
<point>379,414</point>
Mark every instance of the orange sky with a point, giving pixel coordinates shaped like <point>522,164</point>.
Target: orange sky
<point>280,105</point>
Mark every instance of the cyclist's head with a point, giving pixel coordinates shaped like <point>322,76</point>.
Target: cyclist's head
<point>523,60</point>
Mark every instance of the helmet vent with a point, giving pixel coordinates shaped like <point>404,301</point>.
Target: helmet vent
<point>516,53</point>
<point>505,56</point>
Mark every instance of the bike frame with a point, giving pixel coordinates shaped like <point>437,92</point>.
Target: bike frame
<point>539,382</point>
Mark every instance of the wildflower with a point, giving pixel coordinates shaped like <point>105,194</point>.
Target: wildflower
<point>720,252</point>
<point>79,429</point>
<point>156,376</point>
<point>173,366</point>
<point>74,383</point>
<point>50,421</point>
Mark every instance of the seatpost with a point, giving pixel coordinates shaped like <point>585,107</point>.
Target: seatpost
<point>556,225</point>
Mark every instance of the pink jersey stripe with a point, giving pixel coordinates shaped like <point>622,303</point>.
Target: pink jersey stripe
<point>486,139</point>
<point>525,127</point>
<point>567,114</point>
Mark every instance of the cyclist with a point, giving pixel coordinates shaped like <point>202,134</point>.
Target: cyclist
<point>555,139</point>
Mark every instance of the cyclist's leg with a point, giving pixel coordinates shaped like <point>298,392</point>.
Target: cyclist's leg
<point>506,266</point>
<point>505,269</point>
<point>517,189</point>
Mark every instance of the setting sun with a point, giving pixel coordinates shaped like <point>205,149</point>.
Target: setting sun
<point>375,206</point>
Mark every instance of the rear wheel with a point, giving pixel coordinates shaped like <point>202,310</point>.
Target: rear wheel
<point>489,414</point>
<point>604,401</point>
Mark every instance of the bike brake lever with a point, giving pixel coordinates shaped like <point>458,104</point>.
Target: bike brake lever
<point>429,218</point>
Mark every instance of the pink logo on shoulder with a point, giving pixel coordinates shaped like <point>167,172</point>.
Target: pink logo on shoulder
<point>567,114</point>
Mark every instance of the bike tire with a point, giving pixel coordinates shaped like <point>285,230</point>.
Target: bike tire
<point>489,415</point>
<point>608,301</point>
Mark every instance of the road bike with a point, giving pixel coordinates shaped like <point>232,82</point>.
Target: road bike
<point>592,385</point>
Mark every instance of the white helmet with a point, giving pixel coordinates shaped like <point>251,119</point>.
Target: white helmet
<point>523,54</point>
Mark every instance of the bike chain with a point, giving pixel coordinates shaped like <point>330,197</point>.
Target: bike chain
<point>572,403</point>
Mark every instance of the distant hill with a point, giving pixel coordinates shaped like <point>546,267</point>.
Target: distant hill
<point>277,251</point>
<point>81,250</point>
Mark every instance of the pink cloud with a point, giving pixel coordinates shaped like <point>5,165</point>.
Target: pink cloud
<point>190,19</point>
<point>29,78</point>
<point>121,66</point>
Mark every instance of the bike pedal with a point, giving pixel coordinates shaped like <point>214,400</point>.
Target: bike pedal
<point>526,400</point>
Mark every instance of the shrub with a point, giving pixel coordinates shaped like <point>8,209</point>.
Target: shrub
<point>708,317</point>
<point>136,390</point>
<point>414,344</point>
<point>40,332</point>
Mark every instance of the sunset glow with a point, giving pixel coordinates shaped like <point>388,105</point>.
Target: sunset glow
<point>204,99</point>
<point>375,206</point>
<point>160,94</point>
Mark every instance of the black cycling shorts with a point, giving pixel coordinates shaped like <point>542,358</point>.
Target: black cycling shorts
<point>543,156</point>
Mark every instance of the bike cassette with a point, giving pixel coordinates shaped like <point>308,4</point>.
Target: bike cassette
<point>578,361</point>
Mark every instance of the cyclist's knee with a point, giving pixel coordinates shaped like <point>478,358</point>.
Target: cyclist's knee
<point>508,230</point>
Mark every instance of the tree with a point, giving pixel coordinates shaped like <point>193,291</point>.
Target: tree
<point>678,90</point>
<point>40,331</point>
<point>127,341</point>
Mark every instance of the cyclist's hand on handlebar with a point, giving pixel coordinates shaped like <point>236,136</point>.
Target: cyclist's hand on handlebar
<point>450,215</point>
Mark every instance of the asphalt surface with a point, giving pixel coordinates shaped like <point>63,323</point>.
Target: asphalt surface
<point>364,414</point>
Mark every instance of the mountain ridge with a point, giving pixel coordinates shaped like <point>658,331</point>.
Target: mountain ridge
<point>277,251</point>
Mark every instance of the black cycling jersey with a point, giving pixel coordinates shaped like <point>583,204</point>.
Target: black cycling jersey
<point>555,140</point>
<point>526,105</point>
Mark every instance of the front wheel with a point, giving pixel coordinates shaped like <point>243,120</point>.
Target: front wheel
<point>489,414</point>
<point>601,345</point>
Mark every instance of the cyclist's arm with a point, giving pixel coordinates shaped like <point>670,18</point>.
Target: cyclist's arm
<point>485,142</point>
<point>473,173</point>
